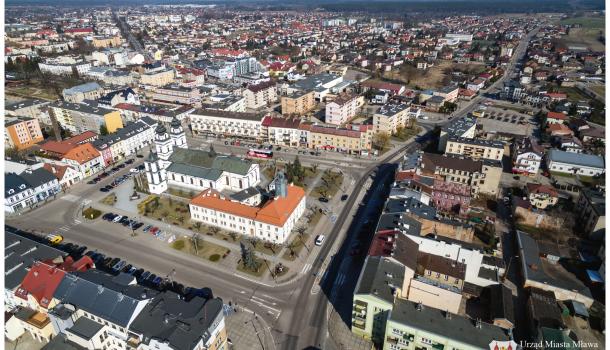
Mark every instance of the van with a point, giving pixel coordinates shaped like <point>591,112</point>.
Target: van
<point>319,239</point>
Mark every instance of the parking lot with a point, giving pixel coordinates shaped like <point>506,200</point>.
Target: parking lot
<point>508,121</point>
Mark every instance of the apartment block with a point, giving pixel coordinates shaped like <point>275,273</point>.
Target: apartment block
<point>341,109</point>
<point>298,102</point>
<point>85,116</point>
<point>22,132</point>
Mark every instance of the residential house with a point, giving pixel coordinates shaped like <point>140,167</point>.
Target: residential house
<point>298,103</point>
<point>527,157</point>
<point>541,196</point>
<point>390,117</point>
<point>260,95</point>
<point>85,158</point>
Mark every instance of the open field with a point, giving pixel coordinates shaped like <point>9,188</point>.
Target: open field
<point>434,77</point>
<point>588,35</point>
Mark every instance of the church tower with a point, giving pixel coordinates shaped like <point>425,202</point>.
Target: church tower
<point>156,175</point>
<point>163,143</point>
<point>177,134</point>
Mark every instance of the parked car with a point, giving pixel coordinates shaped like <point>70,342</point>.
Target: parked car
<point>148,227</point>
<point>134,170</point>
<point>139,156</point>
<point>344,197</point>
<point>144,276</point>
<point>117,218</point>
<point>119,266</point>
<point>323,199</point>
<point>54,238</point>
<point>80,251</point>
<point>319,240</point>
<point>137,225</point>
<point>129,161</point>
<point>104,189</point>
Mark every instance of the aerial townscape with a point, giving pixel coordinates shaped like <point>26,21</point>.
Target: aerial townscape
<point>341,175</point>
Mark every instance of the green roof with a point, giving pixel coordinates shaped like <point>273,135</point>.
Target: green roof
<point>559,339</point>
<point>205,164</point>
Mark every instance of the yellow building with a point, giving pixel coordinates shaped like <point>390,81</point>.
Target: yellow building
<point>349,140</point>
<point>113,121</point>
<point>158,78</point>
<point>104,41</point>
<point>299,102</point>
<point>22,133</point>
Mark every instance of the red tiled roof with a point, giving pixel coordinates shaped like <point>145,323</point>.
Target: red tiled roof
<point>557,115</point>
<point>79,30</point>
<point>44,277</point>
<point>538,188</point>
<point>274,212</point>
<point>82,153</point>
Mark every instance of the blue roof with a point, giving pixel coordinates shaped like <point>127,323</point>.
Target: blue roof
<point>82,88</point>
<point>581,159</point>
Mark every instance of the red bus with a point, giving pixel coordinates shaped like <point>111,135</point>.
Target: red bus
<point>260,153</point>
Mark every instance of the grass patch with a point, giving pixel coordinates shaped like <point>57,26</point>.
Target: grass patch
<point>600,89</point>
<point>262,267</point>
<point>182,193</point>
<point>109,199</point>
<point>330,183</point>
<point>260,246</point>
<point>295,247</point>
<point>91,213</point>
<point>586,22</point>
<point>214,257</point>
<point>573,94</point>
<point>404,134</point>
<point>203,249</point>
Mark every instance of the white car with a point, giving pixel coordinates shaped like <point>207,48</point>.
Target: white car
<point>319,239</point>
<point>118,218</point>
<point>134,170</point>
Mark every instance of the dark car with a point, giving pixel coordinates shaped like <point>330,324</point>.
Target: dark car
<point>137,273</point>
<point>91,182</point>
<point>344,197</point>
<point>104,189</point>
<point>112,262</point>
<point>323,199</point>
<point>141,167</point>
<point>138,225</point>
<point>124,219</point>
<point>157,281</point>
<point>139,156</point>
<point>144,276</point>
<point>129,161</point>
<point>109,216</point>
<point>80,251</point>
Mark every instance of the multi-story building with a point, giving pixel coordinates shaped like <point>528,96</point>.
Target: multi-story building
<point>541,196</point>
<point>35,109</point>
<point>379,284</point>
<point>95,309</point>
<point>341,109</point>
<point>298,102</point>
<point>260,95</point>
<point>283,131</point>
<point>218,122</point>
<point>448,93</point>
<point>106,41</point>
<point>575,163</point>
<point>170,322</point>
<point>411,326</point>
<point>354,139</point>
<point>272,220</point>
<point>464,127</point>
<point>85,158</point>
<point>22,132</point>
<point>475,148</point>
<point>87,91</point>
<point>176,94</point>
<point>527,157</point>
<point>126,141</point>
<point>591,209</point>
<point>390,117</point>
<point>164,114</point>
<point>85,116</point>
<point>157,77</point>
<point>481,176</point>
<point>64,66</point>
<point>28,188</point>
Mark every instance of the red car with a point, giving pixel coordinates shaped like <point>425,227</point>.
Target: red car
<point>153,230</point>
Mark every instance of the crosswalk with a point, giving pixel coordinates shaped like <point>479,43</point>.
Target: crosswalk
<point>267,305</point>
<point>337,285</point>
<point>306,268</point>
<point>66,228</point>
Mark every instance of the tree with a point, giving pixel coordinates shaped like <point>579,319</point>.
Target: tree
<point>103,130</point>
<point>381,140</point>
<point>233,235</point>
<point>195,241</point>
<point>248,258</point>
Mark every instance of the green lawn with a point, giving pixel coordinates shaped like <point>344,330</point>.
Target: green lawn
<point>261,270</point>
<point>91,213</point>
<point>586,22</point>
<point>295,247</point>
<point>405,134</point>
<point>330,183</point>
<point>203,249</point>
<point>573,94</point>
<point>109,199</point>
